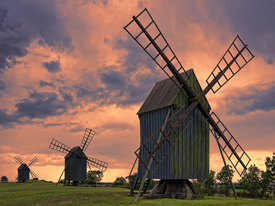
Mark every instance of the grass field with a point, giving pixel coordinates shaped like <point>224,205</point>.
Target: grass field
<point>43,193</point>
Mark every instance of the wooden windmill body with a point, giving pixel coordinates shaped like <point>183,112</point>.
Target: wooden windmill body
<point>71,159</point>
<point>76,161</point>
<point>23,173</point>
<point>24,170</point>
<point>174,143</point>
<point>189,158</point>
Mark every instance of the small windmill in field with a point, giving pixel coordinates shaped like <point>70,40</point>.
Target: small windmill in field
<point>24,170</point>
<point>76,160</point>
<point>175,118</point>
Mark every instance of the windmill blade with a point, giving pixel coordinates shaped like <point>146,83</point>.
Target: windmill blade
<point>87,138</point>
<point>231,142</point>
<point>58,146</point>
<point>16,178</point>
<point>157,48</point>
<point>97,163</point>
<point>33,174</point>
<point>234,59</point>
<point>175,125</point>
<point>33,161</point>
<point>18,160</point>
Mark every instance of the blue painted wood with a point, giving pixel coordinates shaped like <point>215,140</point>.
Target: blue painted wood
<point>189,158</point>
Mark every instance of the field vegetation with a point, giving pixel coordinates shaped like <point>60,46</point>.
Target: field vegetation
<point>38,192</point>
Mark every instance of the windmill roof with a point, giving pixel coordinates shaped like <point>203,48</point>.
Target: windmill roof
<point>163,94</point>
<point>23,167</point>
<point>75,150</point>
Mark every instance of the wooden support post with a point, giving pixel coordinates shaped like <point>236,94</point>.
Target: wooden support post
<point>62,173</point>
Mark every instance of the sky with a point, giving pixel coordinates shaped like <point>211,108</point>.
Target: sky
<point>68,65</point>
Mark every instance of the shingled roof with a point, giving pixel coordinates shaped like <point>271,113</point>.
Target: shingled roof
<point>75,150</point>
<point>162,95</point>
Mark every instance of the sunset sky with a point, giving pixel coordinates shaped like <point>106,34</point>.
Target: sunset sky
<point>67,65</point>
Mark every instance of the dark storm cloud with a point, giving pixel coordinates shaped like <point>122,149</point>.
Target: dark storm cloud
<point>252,99</point>
<point>21,22</point>
<point>254,21</point>
<point>52,66</point>
<point>41,105</point>
<point>118,81</point>
<point>135,58</point>
<point>7,120</point>
<point>67,96</point>
<point>45,84</point>
<point>114,81</point>
<point>2,85</point>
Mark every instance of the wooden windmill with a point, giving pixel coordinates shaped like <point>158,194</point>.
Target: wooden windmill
<point>24,170</point>
<point>76,160</point>
<point>175,118</point>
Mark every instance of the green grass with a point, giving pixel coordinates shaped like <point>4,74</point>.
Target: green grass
<point>43,193</point>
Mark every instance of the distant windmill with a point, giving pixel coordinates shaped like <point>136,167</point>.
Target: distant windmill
<point>76,160</point>
<point>175,118</point>
<point>24,169</point>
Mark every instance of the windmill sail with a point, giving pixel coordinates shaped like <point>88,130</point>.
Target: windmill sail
<point>234,59</point>
<point>97,163</point>
<point>87,138</point>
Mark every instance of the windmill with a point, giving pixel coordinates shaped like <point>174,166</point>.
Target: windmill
<point>76,160</point>
<point>24,169</point>
<point>161,152</point>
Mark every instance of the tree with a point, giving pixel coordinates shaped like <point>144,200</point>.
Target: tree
<point>266,179</point>
<point>198,185</point>
<point>209,183</point>
<point>119,181</point>
<point>268,176</point>
<point>224,179</point>
<point>251,180</point>
<point>94,176</point>
<point>4,179</point>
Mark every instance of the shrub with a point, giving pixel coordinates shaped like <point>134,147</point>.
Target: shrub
<point>4,179</point>
<point>94,176</point>
<point>224,179</point>
<point>119,181</point>
<point>209,184</point>
<point>251,181</point>
<point>152,184</point>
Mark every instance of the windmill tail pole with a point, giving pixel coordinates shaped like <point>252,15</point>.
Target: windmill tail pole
<point>227,169</point>
<point>62,173</point>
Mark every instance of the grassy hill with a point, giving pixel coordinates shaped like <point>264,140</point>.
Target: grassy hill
<point>43,193</point>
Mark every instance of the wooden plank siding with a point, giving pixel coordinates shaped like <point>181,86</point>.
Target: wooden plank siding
<point>189,158</point>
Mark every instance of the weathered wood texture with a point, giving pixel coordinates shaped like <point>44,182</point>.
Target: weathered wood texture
<point>189,158</point>
<point>81,172</point>
<point>23,172</point>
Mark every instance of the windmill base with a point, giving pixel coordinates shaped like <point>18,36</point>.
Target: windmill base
<point>177,189</point>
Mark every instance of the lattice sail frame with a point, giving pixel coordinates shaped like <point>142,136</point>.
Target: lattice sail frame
<point>18,160</point>
<point>158,39</point>
<point>58,146</point>
<point>237,147</point>
<point>87,138</point>
<point>229,65</point>
<point>98,163</point>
